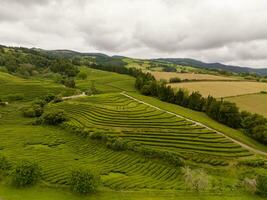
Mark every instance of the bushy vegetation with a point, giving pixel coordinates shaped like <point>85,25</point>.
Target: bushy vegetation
<point>53,117</point>
<point>4,163</point>
<point>196,180</point>
<point>33,111</point>
<point>26,173</point>
<point>262,185</point>
<point>253,163</point>
<point>175,80</point>
<point>84,181</point>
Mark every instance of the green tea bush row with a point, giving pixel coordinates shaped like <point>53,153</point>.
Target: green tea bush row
<point>119,144</point>
<point>252,163</point>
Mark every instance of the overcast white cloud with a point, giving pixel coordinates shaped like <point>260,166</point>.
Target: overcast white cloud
<point>228,31</point>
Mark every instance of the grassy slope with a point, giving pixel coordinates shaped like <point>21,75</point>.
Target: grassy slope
<point>106,81</point>
<point>29,88</point>
<point>203,118</point>
<point>255,103</point>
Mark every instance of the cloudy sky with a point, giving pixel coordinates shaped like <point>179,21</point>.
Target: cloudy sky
<point>227,31</point>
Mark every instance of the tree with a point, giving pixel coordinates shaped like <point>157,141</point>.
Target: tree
<point>175,80</point>
<point>195,179</point>
<point>26,173</point>
<point>196,101</point>
<point>69,83</point>
<point>83,181</point>
<point>53,117</point>
<point>82,75</point>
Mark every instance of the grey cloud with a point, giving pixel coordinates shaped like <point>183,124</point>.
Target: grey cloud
<point>225,31</point>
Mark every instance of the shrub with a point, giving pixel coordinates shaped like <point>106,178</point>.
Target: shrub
<point>48,98</point>
<point>82,75</point>
<point>83,181</point>
<point>262,185</point>
<point>117,144</point>
<point>4,163</point>
<point>34,111</point>
<point>53,117</point>
<point>97,136</point>
<point>175,80</point>
<point>250,185</point>
<point>57,99</point>
<point>26,173</point>
<point>195,179</point>
<point>69,83</point>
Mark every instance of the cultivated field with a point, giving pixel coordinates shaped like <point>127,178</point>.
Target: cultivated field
<point>189,76</point>
<point>152,128</point>
<point>255,103</point>
<point>223,88</point>
<point>59,150</point>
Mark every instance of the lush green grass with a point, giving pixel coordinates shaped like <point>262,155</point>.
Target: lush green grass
<point>105,81</point>
<point>44,193</point>
<point>255,103</point>
<point>203,118</point>
<point>29,88</point>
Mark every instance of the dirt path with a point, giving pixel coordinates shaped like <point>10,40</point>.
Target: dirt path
<point>75,96</point>
<point>200,124</point>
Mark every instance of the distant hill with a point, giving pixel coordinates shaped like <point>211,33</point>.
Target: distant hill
<point>217,66</point>
<point>100,58</point>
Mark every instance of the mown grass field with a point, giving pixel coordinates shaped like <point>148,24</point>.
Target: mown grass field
<point>255,103</point>
<point>105,81</point>
<point>190,76</point>
<point>222,88</point>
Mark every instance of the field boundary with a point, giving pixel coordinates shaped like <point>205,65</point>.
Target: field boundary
<point>200,124</point>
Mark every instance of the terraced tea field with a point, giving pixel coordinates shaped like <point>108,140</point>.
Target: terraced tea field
<point>123,117</point>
